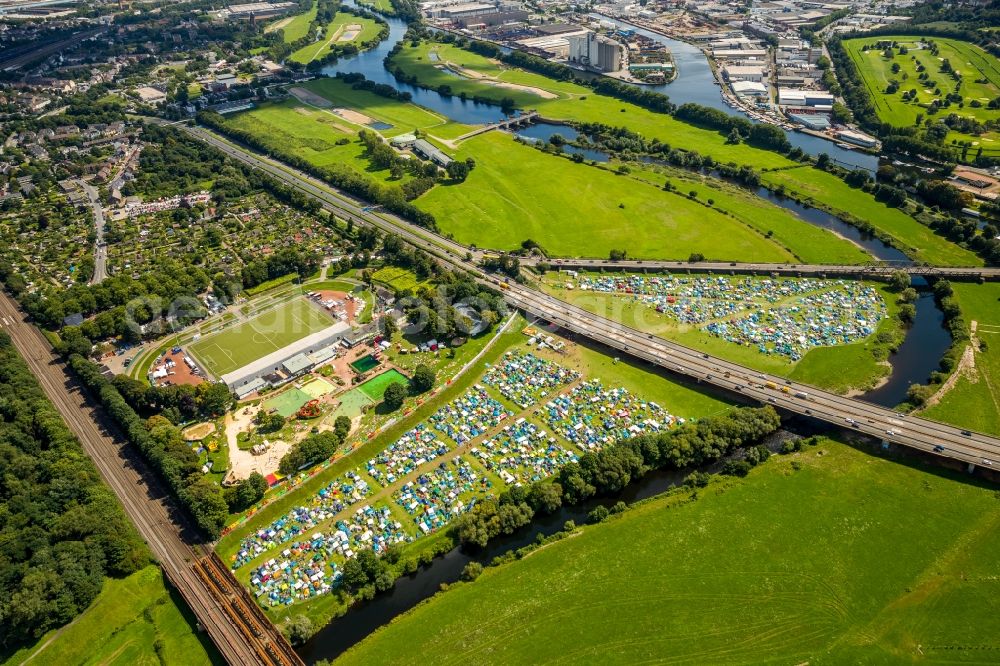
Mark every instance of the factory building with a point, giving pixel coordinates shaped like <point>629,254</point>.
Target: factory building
<point>592,50</point>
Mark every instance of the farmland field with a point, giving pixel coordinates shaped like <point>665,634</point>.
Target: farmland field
<point>337,34</point>
<point>122,626</point>
<point>980,83</point>
<point>233,348</point>
<point>499,207</point>
<point>974,401</point>
<point>828,556</point>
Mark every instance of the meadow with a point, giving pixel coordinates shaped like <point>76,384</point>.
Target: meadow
<point>980,83</point>
<point>580,210</point>
<point>234,347</point>
<point>572,102</point>
<point>135,621</point>
<point>295,27</point>
<point>336,35</point>
<point>827,556</point>
<point>974,401</point>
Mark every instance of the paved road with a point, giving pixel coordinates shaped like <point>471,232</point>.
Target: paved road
<point>873,270</point>
<point>100,247</point>
<point>918,433</point>
<point>175,544</point>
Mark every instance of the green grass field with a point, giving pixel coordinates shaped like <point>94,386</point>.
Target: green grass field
<point>916,240</point>
<point>517,192</point>
<point>576,103</point>
<point>295,27</point>
<point>980,83</point>
<point>375,387</point>
<point>397,278</point>
<point>974,401</point>
<point>384,6</point>
<point>828,556</point>
<point>235,347</point>
<point>337,34</point>
<point>134,621</point>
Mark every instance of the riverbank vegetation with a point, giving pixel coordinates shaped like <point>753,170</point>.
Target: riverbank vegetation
<point>764,596</point>
<point>971,399</point>
<point>562,100</point>
<point>63,530</point>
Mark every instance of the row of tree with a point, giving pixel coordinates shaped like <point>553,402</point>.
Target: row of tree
<point>62,531</point>
<point>315,448</point>
<point>160,444</point>
<point>610,470</point>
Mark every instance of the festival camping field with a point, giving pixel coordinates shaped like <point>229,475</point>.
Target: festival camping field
<point>518,418</point>
<point>831,555</point>
<point>835,332</point>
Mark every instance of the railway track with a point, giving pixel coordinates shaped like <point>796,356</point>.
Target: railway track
<point>175,543</point>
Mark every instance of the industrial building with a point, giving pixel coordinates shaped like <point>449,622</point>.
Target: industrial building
<point>596,52</point>
<point>749,89</point>
<point>468,14</point>
<point>257,10</point>
<point>744,72</point>
<point>814,98</point>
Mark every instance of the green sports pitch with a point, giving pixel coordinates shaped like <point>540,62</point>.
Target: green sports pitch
<point>233,348</point>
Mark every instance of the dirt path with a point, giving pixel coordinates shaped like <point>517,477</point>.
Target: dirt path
<point>966,368</point>
<point>493,81</point>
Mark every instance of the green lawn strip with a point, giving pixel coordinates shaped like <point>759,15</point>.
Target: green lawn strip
<point>397,278</point>
<point>656,580</point>
<point>235,347</point>
<point>336,29</point>
<point>917,240</point>
<point>581,104</point>
<point>809,243</point>
<point>580,210</point>
<point>974,401</point>
<point>135,620</point>
<point>841,368</point>
<point>271,284</point>
<point>297,27</point>
<point>974,63</point>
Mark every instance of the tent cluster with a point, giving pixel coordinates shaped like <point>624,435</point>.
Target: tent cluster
<point>469,416</point>
<point>522,453</point>
<point>300,573</point>
<point>523,378</point>
<point>330,500</point>
<point>591,416</point>
<point>413,449</point>
<point>436,497</point>
<point>786,316</point>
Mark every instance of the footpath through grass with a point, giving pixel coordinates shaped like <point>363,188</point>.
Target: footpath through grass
<point>345,28</point>
<point>134,621</point>
<point>974,400</point>
<point>828,556</point>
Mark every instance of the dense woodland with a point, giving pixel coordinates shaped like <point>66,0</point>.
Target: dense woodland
<point>61,530</point>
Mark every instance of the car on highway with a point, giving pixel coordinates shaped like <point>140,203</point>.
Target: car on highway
<point>967,433</point>
<point>938,448</point>
<point>987,461</point>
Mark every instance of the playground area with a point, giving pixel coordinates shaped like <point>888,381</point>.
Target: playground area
<point>375,387</point>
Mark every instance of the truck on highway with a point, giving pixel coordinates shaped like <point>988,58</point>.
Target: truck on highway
<point>802,394</point>
<point>771,385</point>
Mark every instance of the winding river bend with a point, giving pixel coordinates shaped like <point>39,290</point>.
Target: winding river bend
<point>916,359</point>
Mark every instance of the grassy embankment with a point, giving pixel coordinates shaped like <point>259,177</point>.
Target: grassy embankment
<point>134,621</point>
<point>295,27</point>
<point>567,101</point>
<point>980,83</point>
<point>974,400</point>
<point>677,398</point>
<point>337,34</point>
<point>842,368</point>
<point>827,556</point>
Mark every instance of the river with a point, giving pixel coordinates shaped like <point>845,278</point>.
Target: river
<point>917,357</point>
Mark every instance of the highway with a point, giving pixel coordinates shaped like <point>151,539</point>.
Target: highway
<point>917,433</point>
<point>14,61</point>
<point>224,609</point>
<point>863,271</point>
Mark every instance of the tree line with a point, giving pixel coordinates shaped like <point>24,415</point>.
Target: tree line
<point>611,469</point>
<point>62,531</point>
